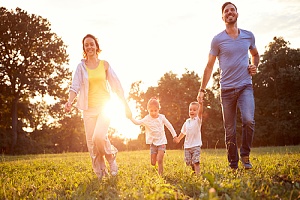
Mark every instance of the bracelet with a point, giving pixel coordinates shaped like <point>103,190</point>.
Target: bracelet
<point>202,90</point>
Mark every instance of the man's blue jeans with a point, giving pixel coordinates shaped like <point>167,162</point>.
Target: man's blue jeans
<point>232,99</point>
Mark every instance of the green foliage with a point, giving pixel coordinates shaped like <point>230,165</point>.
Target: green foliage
<point>175,94</point>
<point>137,144</point>
<point>32,64</point>
<point>275,175</point>
<point>277,94</point>
<point>276,91</point>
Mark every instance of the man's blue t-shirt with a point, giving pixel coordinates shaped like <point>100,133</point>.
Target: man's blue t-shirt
<point>233,58</point>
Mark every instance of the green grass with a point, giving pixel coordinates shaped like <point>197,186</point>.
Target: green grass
<point>275,175</point>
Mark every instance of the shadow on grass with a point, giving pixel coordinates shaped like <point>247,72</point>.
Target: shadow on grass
<point>107,189</point>
<point>188,186</point>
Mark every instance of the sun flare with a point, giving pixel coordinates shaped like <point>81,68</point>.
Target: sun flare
<point>115,111</point>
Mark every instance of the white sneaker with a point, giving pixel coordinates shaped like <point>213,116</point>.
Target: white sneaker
<point>113,167</point>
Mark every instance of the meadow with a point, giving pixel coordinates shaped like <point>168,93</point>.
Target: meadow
<point>275,175</point>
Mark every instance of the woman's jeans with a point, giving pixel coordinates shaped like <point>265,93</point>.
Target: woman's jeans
<point>231,99</point>
<point>96,126</point>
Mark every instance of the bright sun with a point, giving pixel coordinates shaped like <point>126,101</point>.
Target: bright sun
<point>115,110</point>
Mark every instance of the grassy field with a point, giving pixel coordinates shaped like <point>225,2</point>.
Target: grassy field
<point>275,175</point>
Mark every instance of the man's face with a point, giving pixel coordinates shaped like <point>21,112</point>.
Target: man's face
<point>229,15</point>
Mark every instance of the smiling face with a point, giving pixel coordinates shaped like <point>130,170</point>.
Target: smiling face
<point>193,110</point>
<point>230,14</point>
<point>89,46</point>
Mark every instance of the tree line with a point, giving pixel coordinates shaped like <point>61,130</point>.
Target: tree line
<point>33,68</point>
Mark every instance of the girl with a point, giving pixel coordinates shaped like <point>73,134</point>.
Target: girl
<point>155,134</point>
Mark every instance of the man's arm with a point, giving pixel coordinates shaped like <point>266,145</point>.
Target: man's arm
<point>206,76</point>
<point>254,61</point>
<point>255,57</point>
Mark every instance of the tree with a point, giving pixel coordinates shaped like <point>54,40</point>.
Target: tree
<point>31,65</point>
<point>138,144</point>
<point>175,94</point>
<point>277,92</point>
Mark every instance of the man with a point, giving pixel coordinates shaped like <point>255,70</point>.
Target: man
<point>231,47</point>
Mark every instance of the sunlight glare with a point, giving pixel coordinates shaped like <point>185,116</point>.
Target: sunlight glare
<point>115,111</point>
<point>114,108</point>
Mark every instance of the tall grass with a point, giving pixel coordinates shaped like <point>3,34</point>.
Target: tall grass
<point>275,175</point>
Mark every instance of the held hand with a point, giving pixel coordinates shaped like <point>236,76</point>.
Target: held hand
<point>252,69</point>
<point>200,97</point>
<point>68,106</point>
<point>129,114</point>
<point>128,111</point>
<point>176,140</point>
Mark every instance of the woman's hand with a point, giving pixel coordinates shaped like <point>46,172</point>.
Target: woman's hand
<point>68,106</point>
<point>127,110</point>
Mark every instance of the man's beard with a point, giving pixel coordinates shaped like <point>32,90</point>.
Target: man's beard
<point>231,21</point>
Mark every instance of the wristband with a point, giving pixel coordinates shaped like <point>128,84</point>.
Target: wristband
<point>202,90</point>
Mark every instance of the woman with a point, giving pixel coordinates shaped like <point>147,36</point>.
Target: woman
<point>90,84</point>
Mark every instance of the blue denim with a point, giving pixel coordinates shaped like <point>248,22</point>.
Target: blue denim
<point>232,99</point>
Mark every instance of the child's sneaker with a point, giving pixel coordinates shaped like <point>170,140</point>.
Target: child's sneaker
<point>246,162</point>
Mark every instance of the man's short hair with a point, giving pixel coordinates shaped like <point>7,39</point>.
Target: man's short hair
<point>225,4</point>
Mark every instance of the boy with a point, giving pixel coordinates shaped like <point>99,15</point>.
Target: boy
<point>192,130</point>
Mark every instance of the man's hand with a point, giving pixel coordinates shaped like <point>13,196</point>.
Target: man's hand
<point>252,69</point>
<point>200,97</point>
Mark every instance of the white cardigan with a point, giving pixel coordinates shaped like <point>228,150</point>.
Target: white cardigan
<point>80,84</point>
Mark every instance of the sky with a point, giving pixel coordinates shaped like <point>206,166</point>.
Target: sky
<point>144,39</point>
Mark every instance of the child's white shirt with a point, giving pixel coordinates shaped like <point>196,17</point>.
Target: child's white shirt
<point>192,131</point>
<point>154,129</point>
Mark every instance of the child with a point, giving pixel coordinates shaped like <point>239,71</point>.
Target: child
<point>155,134</point>
<point>192,130</point>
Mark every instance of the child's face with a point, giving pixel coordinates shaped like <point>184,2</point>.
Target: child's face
<point>193,111</point>
<point>153,111</point>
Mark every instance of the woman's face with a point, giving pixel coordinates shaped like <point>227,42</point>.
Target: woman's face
<point>90,47</point>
